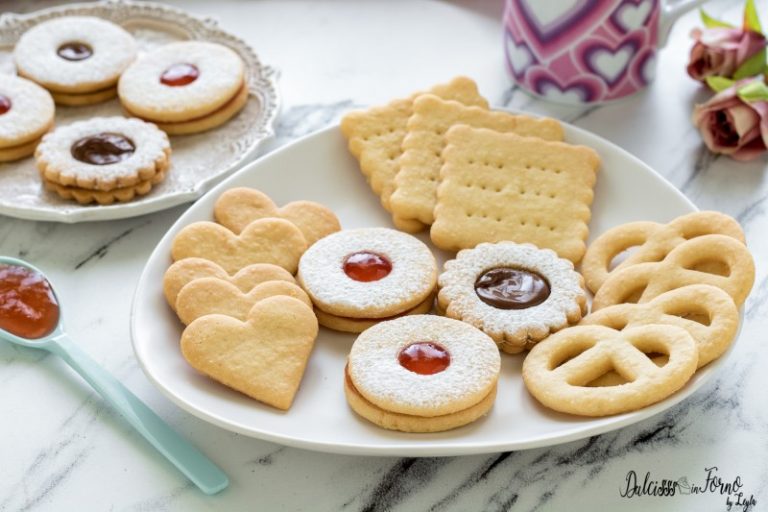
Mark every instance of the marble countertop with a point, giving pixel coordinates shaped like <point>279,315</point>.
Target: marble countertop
<point>61,448</point>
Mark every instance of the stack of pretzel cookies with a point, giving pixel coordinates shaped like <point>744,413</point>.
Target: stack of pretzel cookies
<point>512,202</point>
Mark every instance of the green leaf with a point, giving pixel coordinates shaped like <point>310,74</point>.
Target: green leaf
<point>711,22</point>
<point>751,20</point>
<point>756,90</point>
<point>755,65</point>
<point>719,83</point>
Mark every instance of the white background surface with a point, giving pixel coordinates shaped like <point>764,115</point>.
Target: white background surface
<point>61,449</point>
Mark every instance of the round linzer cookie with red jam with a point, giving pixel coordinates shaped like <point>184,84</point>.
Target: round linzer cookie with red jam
<point>77,58</point>
<point>422,373</point>
<point>185,87</point>
<point>26,113</point>
<point>516,293</point>
<point>104,159</point>
<point>359,277</point>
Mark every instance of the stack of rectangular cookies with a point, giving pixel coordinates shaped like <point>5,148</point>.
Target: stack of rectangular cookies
<point>442,159</point>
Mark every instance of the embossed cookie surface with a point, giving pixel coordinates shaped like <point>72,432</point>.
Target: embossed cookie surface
<point>263,357</point>
<point>500,186</point>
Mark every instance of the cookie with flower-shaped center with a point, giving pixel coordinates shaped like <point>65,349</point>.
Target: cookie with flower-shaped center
<point>516,293</point>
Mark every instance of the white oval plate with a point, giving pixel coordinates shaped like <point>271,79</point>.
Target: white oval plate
<point>319,168</point>
<point>198,161</point>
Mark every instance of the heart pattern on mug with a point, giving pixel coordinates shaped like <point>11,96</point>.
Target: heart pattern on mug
<point>631,15</point>
<point>611,63</point>
<point>581,90</point>
<point>519,56</point>
<point>263,357</point>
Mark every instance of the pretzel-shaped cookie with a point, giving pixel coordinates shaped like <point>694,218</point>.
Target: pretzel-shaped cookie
<point>677,307</point>
<point>654,241</point>
<point>558,371</point>
<point>676,270</point>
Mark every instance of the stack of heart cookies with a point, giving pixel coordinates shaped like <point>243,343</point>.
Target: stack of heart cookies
<point>663,310</point>
<point>248,324</point>
<point>442,159</point>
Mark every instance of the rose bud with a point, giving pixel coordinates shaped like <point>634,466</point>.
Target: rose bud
<point>734,122</point>
<point>721,51</point>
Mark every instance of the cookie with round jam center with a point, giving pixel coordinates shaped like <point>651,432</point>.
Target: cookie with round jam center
<point>367,266</point>
<point>180,74</point>
<point>424,358</point>
<point>74,51</point>
<point>103,149</point>
<point>5,104</point>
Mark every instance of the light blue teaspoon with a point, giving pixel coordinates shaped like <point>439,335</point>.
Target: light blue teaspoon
<point>188,459</point>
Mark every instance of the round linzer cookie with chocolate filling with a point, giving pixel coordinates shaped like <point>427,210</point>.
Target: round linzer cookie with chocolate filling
<point>26,113</point>
<point>422,373</point>
<point>77,58</point>
<point>362,276</point>
<point>185,87</point>
<point>516,293</point>
<point>117,156</point>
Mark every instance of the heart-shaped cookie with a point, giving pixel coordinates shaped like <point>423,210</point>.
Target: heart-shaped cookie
<point>238,207</point>
<point>275,241</point>
<point>209,295</point>
<point>187,270</point>
<point>263,357</point>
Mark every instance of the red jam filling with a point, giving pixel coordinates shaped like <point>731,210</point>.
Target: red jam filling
<point>5,104</point>
<point>28,306</point>
<point>424,358</point>
<point>367,266</point>
<point>180,74</point>
<point>74,51</point>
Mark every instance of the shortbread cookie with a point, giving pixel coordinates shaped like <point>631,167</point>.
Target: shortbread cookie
<point>558,371</point>
<point>419,174</point>
<point>422,366</point>
<point>357,325</point>
<point>367,273</point>
<point>78,58</point>
<point>185,87</point>
<point>26,113</point>
<point>515,293</point>
<point>209,295</point>
<point>263,357</point>
<point>238,207</point>
<point>706,312</point>
<point>274,241</point>
<point>116,195</point>
<point>103,153</point>
<point>187,270</point>
<point>651,241</point>
<point>375,135</point>
<point>500,186</point>
<point>644,281</point>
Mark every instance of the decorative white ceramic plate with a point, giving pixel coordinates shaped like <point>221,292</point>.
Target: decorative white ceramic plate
<point>319,168</point>
<point>198,161</point>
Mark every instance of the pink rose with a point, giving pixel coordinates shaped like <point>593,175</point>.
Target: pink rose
<point>720,51</point>
<point>732,126</point>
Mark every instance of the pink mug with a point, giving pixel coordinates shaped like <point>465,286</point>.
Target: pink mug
<point>586,51</point>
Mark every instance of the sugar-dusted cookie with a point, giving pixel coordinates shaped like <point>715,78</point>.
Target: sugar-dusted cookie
<point>419,174</point>
<point>501,186</point>
<point>185,87</point>
<point>238,207</point>
<point>187,270</point>
<point>263,357</point>
<point>102,197</point>
<point>651,241</point>
<point>516,293</point>
<point>706,312</point>
<point>210,295</point>
<point>368,273</point>
<point>357,325</point>
<point>274,241</point>
<point>560,370</point>
<point>422,373</point>
<point>644,281</point>
<point>77,58</point>
<point>103,153</point>
<point>375,135</point>
<point>26,113</point>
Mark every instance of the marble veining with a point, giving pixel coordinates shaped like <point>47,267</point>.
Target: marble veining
<point>62,449</point>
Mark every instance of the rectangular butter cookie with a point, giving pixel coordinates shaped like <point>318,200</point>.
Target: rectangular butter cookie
<point>418,177</point>
<point>374,136</point>
<point>501,186</point>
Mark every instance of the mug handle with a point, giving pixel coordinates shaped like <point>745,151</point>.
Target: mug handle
<point>670,12</point>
